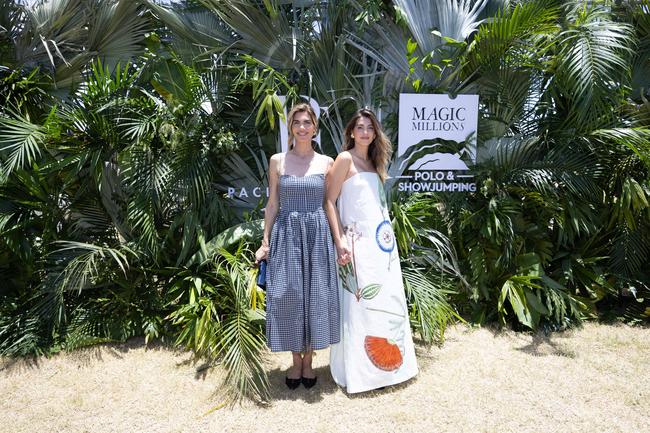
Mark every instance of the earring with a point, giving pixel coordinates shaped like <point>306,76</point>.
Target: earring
<point>351,135</point>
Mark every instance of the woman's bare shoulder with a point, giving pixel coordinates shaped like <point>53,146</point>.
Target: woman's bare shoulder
<point>277,156</point>
<point>344,156</point>
<point>323,158</point>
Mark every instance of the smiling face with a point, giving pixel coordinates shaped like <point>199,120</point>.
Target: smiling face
<point>302,126</point>
<point>364,131</point>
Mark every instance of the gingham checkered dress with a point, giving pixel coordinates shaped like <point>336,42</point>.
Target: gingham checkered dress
<point>302,304</point>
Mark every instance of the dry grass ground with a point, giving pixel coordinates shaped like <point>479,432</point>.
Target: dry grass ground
<point>595,379</point>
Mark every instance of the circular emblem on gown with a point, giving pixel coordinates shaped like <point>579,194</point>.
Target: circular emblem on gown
<point>384,236</point>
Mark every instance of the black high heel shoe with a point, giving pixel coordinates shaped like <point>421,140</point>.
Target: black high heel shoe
<point>292,383</point>
<point>309,382</point>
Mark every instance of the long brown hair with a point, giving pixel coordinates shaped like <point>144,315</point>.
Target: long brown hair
<point>301,108</point>
<point>380,148</point>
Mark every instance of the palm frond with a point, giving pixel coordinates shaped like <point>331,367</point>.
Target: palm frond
<point>390,52</point>
<point>11,18</point>
<point>511,35</point>
<point>635,139</point>
<point>340,79</point>
<point>636,13</point>
<point>89,325</point>
<point>20,333</point>
<point>85,263</point>
<point>202,28</point>
<point>430,311</point>
<point>247,231</point>
<point>218,316</point>
<point>52,34</point>
<point>180,85</point>
<point>192,172</point>
<point>90,218</point>
<point>521,292</point>
<point>21,142</point>
<point>561,304</point>
<point>506,95</point>
<point>116,31</point>
<point>147,174</point>
<point>242,337</point>
<point>455,19</point>
<point>75,267</point>
<point>527,162</point>
<point>592,62</point>
<point>220,89</point>
<point>265,35</point>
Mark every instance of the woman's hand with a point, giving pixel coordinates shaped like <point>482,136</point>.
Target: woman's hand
<point>262,253</point>
<point>344,255</point>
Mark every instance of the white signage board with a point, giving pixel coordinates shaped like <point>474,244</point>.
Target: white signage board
<point>437,140</point>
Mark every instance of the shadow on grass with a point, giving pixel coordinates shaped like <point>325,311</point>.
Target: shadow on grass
<point>540,343</point>
<point>324,387</point>
<point>375,393</point>
<point>546,345</point>
<point>88,355</point>
<point>10,366</point>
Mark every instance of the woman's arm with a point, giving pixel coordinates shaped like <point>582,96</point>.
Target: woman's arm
<point>272,207</point>
<point>335,177</point>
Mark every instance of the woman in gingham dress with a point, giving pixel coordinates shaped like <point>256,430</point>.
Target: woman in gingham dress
<point>302,307</point>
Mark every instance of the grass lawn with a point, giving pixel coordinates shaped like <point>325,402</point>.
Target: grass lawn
<point>593,379</point>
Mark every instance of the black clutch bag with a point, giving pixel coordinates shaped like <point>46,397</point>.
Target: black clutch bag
<point>261,275</point>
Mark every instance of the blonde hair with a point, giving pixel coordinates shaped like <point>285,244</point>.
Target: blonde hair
<point>380,148</point>
<point>301,108</point>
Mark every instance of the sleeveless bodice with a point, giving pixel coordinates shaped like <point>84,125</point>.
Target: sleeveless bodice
<point>361,200</point>
<point>301,194</point>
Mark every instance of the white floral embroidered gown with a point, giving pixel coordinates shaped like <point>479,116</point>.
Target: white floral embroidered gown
<point>376,347</point>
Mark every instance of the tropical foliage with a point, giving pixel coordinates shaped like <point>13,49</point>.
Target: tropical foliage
<point>124,124</point>
<point>558,227</point>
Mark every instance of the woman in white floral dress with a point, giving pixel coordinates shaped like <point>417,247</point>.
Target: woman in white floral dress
<point>376,347</point>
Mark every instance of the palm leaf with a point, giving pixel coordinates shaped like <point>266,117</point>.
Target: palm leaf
<point>636,12</point>
<point>265,35</point>
<point>526,162</point>
<point>53,33</point>
<point>517,291</point>
<point>635,139</point>
<point>389,52</point>
<point>147,174</point>
<point>20,142</point>
<point>242,338</point>
<point>249,231</point>
<point>76,266</point>
<point>90,218</point>
<point>202,28</point>
<point>593,57</point>
<point>116,31</point>
<point>453,19</point>
<point>430,311</point>
<point>513,32</point>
